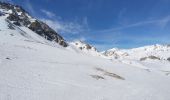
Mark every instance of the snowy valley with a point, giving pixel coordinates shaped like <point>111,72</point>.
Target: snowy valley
<point>36,66</point>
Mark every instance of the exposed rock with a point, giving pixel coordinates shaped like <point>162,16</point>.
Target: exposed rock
<point>20,17</point>
<point>8,58</point>
<point>80,48</point>
<point>83,46</point>
<point>110,74</point>
<point>150,57</point>
<point>142,59</point>
<point>97,77</point>
<point>154,57</point>
<point>6,6</point>
<point>168,59</point>
<point>45,31</point>
<point>88,46</point>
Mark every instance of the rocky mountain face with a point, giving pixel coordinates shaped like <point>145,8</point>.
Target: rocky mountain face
<point>18,16</point>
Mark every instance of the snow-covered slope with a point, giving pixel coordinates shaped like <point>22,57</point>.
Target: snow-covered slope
<point>33,68</point>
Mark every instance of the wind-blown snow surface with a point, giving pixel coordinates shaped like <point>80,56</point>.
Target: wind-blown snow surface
<point>31,68</point>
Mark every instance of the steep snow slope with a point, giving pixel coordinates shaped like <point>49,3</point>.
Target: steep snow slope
<point>19,17</point>
<point>32,68</point>
<point>9,29</point>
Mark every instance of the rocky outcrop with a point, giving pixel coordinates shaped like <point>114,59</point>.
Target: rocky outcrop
<point>18,16</point>
<point>168,59</point>
<point>150,57</point>
<point>45,31</point>
<point>168,45</point>
<point>84,46</point>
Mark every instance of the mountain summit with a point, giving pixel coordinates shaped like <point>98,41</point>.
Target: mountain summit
<point>19,17</point>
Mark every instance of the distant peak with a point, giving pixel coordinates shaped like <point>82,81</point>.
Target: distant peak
<point>83,45</point>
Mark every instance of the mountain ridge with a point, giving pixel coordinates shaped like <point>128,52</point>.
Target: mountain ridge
<point>18,16</point>
<point>160,51</point>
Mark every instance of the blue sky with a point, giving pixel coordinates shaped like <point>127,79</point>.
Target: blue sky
<point>105,23</point>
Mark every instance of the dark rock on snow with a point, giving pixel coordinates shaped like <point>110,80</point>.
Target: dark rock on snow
<point>20,17</point>
<point>150,57</point>
<point>168,59</point>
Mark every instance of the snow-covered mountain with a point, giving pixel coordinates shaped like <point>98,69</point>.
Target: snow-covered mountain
<point>86,48</point>
<point>19,17</point>
<point>159,52</point>
<point>34,68</point>
<point>83,46</point>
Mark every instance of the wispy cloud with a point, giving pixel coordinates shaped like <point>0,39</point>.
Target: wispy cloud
<point>164,22</point>
<point>121,13</point>
<point>115,37</point>
<point>67,27</point>
<point>29,7</point>
<point>102,41</point>
<point>48,13</point>
<point>159,22</point>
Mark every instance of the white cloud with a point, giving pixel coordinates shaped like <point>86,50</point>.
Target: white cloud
<point>30,7</point>
<point>164,22</point>
<point>48,13</point>
<point>160,22</point>
<point>66,27</point>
